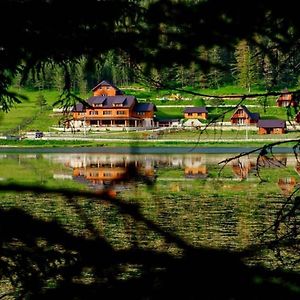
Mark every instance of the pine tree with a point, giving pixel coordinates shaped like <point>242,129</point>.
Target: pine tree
<point>244,68</point>
<point>41,102</point>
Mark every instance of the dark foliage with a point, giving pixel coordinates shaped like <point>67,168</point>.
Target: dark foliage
<point>36,32</point>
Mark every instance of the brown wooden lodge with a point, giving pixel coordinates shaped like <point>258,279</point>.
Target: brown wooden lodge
<point>109,107</point>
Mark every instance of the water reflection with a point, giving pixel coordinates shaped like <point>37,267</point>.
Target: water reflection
<point>243,167</point>
<point>226,210</point>
<point>102,171</point>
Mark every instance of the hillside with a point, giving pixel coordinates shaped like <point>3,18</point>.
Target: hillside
<point>30,115</point>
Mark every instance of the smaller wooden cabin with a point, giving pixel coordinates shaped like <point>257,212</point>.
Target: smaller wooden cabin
<point>242,116</point>
<point>271,126</point>
<point>195,113</point>
<point>286,99</point>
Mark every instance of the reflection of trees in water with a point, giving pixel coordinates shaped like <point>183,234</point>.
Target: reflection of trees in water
<point>285,231</point>
<point>285,227</point>
<point>42,258</point>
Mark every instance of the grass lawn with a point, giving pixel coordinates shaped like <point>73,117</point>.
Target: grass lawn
<point>28,115</point>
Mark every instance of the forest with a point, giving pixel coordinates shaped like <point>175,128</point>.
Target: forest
<point>244,67</point>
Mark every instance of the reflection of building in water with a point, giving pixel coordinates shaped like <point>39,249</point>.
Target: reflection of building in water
<point>287,185</point>
<point>110,171</point>
<point>101,173</point>
<point>105,168</point>
<point>194,167</point>
<point>273,161</point>
<point>297,168</point>
<point>243,166</point>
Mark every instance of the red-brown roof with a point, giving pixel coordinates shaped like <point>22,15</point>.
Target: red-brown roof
<point>271,124</point>
<point>253,116</point>
<point>195,110</point>
<point>106,83</point>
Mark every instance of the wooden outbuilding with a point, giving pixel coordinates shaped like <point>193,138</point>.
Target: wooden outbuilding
<point>242,116</point>
<point>195,113</point>
<point>271,126</point>
<point>286,99</point>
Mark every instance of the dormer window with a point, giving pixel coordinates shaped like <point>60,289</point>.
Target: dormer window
<point>118,104</point>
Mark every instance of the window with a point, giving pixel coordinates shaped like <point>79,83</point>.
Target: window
<point>141,113</point>
<point>118,104</point>
<point>120,112</point>
<point>190,114</point>
<point>93,112</point>
<point>107,112</point>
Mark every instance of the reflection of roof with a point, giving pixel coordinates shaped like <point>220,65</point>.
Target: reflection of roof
<point>271,124</point>
<point>195,110</point>
<point>140,107</point>
<point>199,175</point>
<point>269,162</point>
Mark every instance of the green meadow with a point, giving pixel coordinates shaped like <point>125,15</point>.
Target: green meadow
<point>30,116</point>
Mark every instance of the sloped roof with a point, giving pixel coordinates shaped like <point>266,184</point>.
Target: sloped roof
<point>285,97</point>
<point>195,110</point>
<point>109,101</point>
<point>271,124</point>
<point>253,116</point>
<point>106,83</point>
<point>78,107</point>
<point>140,107</point>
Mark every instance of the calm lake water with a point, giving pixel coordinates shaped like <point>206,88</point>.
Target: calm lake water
<point>187,195</point>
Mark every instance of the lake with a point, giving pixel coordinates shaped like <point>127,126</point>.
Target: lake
<point>159,202</point>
